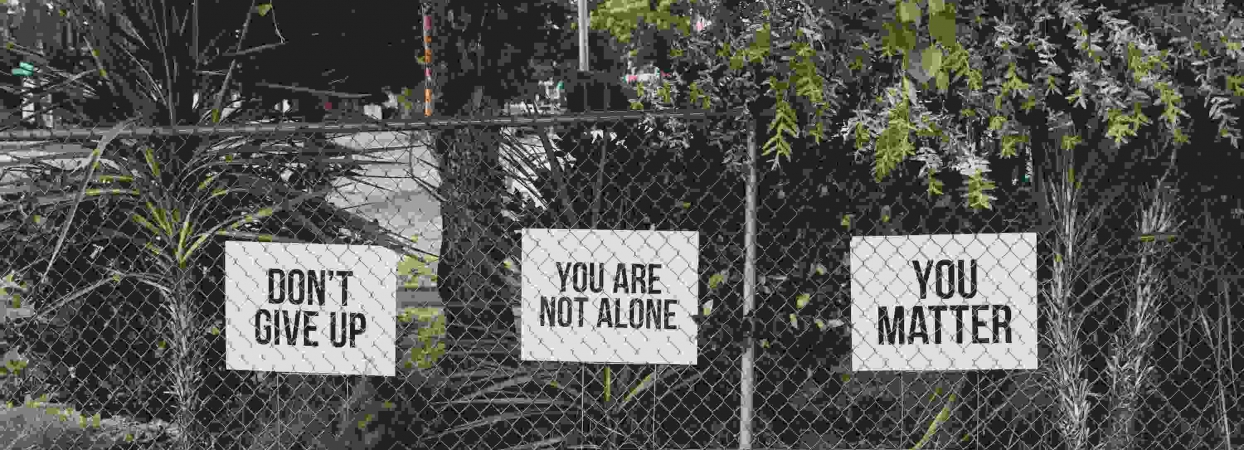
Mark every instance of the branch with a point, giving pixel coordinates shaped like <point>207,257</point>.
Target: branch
<point>558,178</point>
<point>224,87</point>
<point>253,50</point>
<point>344,95</point>
<point>64,232</point>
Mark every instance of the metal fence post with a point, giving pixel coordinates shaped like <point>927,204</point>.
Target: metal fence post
<point>427,62</point>
<point>583,24</point>
<point>747,382</point>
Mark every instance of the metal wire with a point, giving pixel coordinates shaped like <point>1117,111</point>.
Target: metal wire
<point>108,343</point>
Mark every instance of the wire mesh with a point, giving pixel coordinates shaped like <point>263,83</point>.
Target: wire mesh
<point>115,299</point>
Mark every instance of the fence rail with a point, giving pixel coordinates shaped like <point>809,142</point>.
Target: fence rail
<point>432,123</point>
<point>129,344</point>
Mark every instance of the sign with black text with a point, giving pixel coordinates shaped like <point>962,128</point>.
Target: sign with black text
<point>310,308</point>
<point>944,302</point>
<point>602,296</point>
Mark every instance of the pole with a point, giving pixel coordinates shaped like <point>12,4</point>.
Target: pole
<point>583,55</point>
<point>583,66</point>
<point>427,63</point>
<point>747,382</point>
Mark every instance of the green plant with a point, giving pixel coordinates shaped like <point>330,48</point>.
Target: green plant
<point>426,348</point>
<point>571,391</point>
<point>157,207</point>
<point>413,267</point>
<point>906,44</point>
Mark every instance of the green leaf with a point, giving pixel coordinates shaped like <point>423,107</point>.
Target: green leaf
<point>264,9</point>
<point>716,280</point>
<point>1076,96</point>
<point>941,418</point>
<point>1010,143</point>
<point>943,81</point>
<point>638,387</point>
<point>907,11</point>
<point>1235,84</point>
<point>608,384</point>
<point>931,60</point>
<point>145,223</point>
<point>1070,141</point>
<point>975,79</point>
<point>942,24</point>
<point>846,221</point>
<point>1179,136</point>
<point>862,136</point>
<point>152,164</point>
<point>802,300</point>
<point>978,188</point>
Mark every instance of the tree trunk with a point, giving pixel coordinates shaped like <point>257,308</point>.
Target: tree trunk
<point>186,336</point>
<point>473,242</point>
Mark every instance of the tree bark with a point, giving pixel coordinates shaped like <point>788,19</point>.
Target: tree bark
<point>185,333</point>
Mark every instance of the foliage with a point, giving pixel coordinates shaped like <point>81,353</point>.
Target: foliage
<point>1000,72</point>
<point>127,246</point>
<point>413,267</point>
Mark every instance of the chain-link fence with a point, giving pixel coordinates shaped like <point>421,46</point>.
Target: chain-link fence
<point>116,294</point>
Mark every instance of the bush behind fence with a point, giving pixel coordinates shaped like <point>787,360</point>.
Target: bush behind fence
<point>114,277</point>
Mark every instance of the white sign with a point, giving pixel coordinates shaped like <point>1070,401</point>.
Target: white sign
<point>944,302</point>
<point>313,309</point>
<point>601,296</point>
